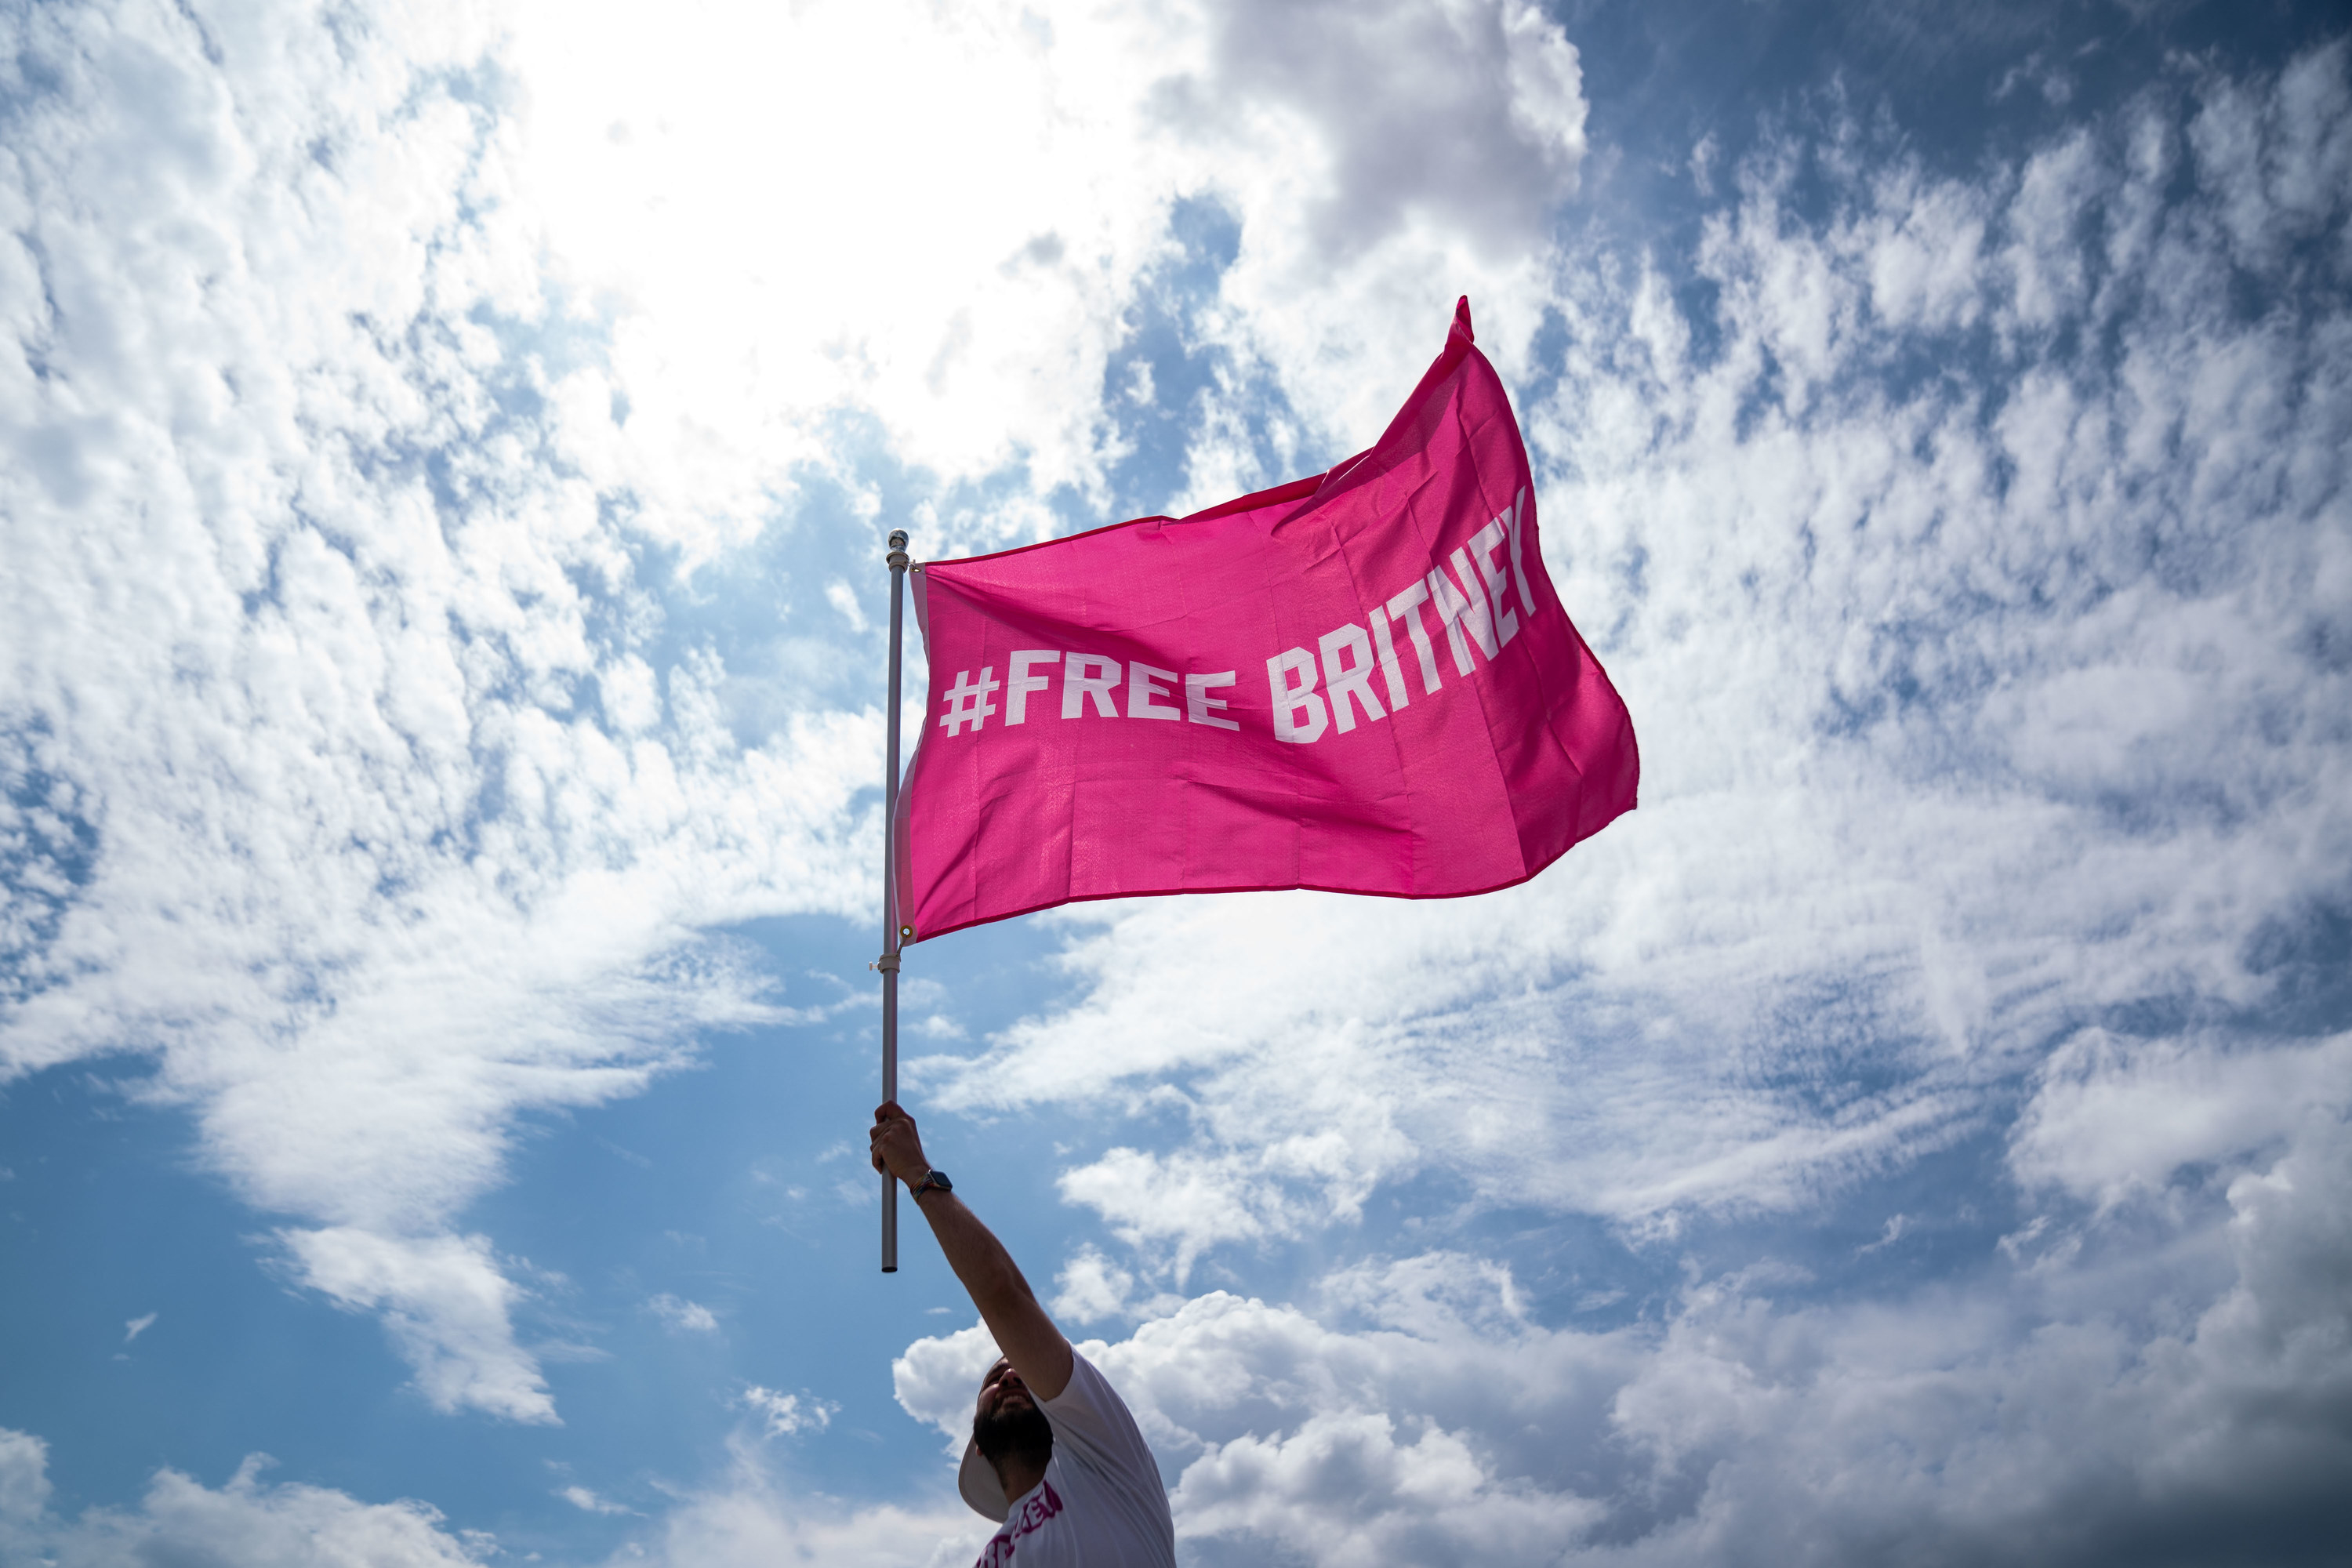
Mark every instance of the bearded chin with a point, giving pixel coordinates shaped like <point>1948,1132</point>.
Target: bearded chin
<point>1013,1434</point>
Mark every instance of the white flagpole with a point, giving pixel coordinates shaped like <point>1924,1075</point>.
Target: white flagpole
<point>888,963</point>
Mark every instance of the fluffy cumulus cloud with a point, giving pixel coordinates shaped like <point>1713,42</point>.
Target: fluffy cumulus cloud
<point>180,1519</point>
<point>751,1515</point>
<point>2062,1412</point>
<point>1375,1441</point>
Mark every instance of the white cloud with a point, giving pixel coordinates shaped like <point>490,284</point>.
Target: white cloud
<point>938,1380</point>
<point>2112,1117</point>
<point>134,1327</point>
<point>1438,1431</point>
<point>1350,1490</point>
<point>750,1518</point>
<point>788,1414</point>
<point>1091,1288</point>
<point>1359,218</point>
<point>447,1306</point>
<point>970,287</point>
<point>2050,1409</point>
<point>747,1518</point>
<point>24,1475</point>
<point>683,1316</point>
<point>844,599</point>
<point>1851,1432</point>
<point>180,1519</point>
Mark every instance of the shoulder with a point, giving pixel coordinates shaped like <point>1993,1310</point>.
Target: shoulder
<point>1087,1388</point>
<point>1097,1433</point>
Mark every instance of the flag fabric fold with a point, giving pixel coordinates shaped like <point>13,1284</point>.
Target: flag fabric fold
<point>1362,682</point>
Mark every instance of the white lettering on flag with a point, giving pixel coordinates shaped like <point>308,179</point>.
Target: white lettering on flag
<point>1144,689</point>
<point>1350,682</point>
<point>1391,672</point>
<point>1197,700</point>
<point>1311,697</point>
<point>968,703</point>
<point>1019,683</point>
<point>1483,545</point>
<point>1452,609</point>
<point>1518,532</point>
<point>1476,614</point>
<point>1290,700</point>
<point>1403,608</point>
<point>1077,684</point>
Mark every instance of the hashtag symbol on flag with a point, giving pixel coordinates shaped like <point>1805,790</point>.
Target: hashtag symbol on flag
<point>968,703</point>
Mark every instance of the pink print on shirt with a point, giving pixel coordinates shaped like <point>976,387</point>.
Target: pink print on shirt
<point>1043,1504</point>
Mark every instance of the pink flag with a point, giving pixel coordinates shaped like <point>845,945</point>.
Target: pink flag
<point>1362,682</point>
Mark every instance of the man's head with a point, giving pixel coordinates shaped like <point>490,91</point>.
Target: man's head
<point>1011,1441</point>
<point>1006,1423</point>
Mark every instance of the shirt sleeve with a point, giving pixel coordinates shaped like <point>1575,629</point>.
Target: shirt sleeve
<point>1096,1427</point>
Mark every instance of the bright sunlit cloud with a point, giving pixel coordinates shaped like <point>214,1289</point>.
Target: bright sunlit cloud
<point>951,237</point>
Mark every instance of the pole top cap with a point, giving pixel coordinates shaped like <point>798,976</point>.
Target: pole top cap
<point>897,539</point>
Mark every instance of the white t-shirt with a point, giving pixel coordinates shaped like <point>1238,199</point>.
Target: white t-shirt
<point>1101,1504</point>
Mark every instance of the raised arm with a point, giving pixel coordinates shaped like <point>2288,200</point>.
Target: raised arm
<point>1024,1333</point>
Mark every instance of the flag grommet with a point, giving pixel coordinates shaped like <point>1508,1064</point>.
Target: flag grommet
<point>905,933</point>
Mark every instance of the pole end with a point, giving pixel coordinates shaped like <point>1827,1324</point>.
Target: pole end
<point>890,1269</point>
<point>897,539</point>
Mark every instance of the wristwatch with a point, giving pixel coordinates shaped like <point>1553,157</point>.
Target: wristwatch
<point>934,1181</point>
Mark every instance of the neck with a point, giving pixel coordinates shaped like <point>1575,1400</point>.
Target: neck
<point>1017,1474</point>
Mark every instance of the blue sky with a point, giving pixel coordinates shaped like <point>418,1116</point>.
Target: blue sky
<point>448,450</point>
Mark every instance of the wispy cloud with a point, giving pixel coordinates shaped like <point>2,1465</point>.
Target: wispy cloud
<point>786,1415</point>
<point>446,1305</point>
<point>682,1316</point>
